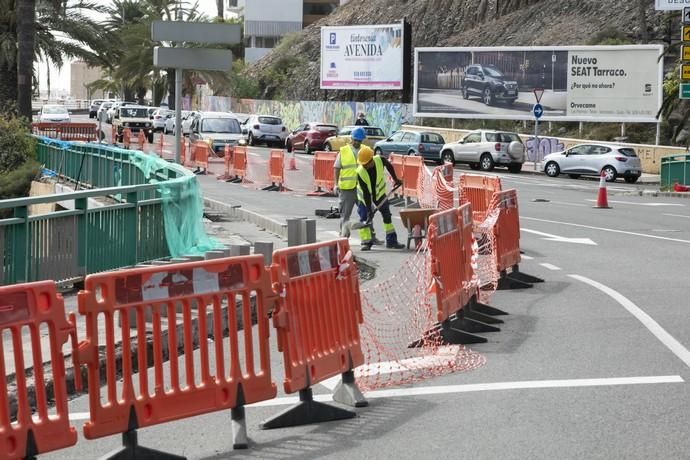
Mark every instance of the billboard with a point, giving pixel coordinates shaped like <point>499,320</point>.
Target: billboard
<point>581,83</point>
<point>362,57</point>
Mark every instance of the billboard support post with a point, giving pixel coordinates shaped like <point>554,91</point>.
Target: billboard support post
<point>536,141</point>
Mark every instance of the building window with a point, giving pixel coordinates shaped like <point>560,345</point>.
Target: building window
<point>318,9</point>
<point>266,42</point>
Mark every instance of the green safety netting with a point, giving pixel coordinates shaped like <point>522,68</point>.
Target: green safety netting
<point>178,190</point>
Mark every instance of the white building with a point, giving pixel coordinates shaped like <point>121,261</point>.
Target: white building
<point>267,21</point>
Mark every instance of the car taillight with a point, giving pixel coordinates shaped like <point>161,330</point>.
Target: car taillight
<point>497,146</point>
<point>420,147</point>
<point>622,159</point>
<point>255,126</point>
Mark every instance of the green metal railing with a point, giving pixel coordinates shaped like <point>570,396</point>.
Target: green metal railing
<point>675,168</point>
<point>118,222</point>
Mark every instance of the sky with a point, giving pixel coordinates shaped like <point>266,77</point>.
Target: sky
<point>59,78</point>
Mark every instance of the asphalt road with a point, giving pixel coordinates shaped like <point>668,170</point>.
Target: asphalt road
<point>593,363</point>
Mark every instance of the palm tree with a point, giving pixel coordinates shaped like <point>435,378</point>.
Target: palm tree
<point>220,8</point>
<point>26,28</point>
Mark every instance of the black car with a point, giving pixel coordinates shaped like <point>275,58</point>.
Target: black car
<point>489,84</point>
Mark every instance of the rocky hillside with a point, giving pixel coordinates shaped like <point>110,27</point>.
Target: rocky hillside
<point>291,71</point>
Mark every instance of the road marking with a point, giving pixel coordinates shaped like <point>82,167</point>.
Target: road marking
<point>677,215</point>
<point>642,204</point>
<point>656,237</point>
<point>254,154</point>
<point>560,239</point>
<point>550,267</point>
<point>522,256</point>
<point>659,332</point>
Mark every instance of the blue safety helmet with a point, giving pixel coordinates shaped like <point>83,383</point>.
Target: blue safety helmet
<point>358,134</point>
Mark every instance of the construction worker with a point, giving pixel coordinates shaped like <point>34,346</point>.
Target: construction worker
<point>345,173</point>
<point>371,192</point>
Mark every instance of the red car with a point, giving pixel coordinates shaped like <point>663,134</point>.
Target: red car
<point>310,137</point>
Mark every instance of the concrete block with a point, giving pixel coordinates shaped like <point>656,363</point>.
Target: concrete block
<point>265,248</point>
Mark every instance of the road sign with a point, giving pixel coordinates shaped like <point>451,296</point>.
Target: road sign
<point>685,71</point>
<point>684,91</point>
<point>538,111</point>
<point>670,5</point>
<point>685,34</point>
<point>196,32</point>
<point>192,58</point>
<point>686,15</point>
<point>685,53</point>
<point>538,92</point>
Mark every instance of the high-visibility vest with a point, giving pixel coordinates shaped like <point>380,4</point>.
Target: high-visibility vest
<point>380,181</point>
<point>348,168</point>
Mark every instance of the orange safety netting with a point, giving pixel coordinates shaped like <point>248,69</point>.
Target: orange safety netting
<point>398,312</point>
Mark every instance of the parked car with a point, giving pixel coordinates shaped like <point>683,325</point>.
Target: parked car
<point>136,118</point>
<point>593,159</point>
<point>187,122</point>
<point>310,136</point>
<point>374,135</point>
<point>217,129</point>
<point>486,149</point>
<point>95,105</point>
<point>169,127</point>
<point>489,84</point>
<point>426,144</point>
<point>265,129</point>
<point>159,118</point>
<point>102,112</point>
<point>54,113</point>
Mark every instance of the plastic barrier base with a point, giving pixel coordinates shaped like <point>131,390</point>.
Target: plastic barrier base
<point>348,393</point>
<point>508,282</point>
<point>305,412</point>
<point>450,334</point>
<point>332,213</point>
<point>524,277</point>
<point>131,449</point>
<point>320,192</point>
<point>484,309</point>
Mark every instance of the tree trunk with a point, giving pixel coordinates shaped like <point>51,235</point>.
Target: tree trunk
<point>8,89</point>
<point>26,29</point>
<point>220,8</point>
<point>642,15</point>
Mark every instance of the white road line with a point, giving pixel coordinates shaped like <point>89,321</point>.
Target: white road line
<point>659,332</point>
<point>550,267</point>
<point>606,229</point>
<point>677,215</point>
<point>642,204</point>
<point>522,256</point>
<point>469,388</point>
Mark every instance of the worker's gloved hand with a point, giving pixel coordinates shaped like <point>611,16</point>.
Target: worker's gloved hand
<point>398,183</point>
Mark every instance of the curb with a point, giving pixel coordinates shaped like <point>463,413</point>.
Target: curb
<point>165,356</point>
<point>589,178</point>
<point>271,225</point>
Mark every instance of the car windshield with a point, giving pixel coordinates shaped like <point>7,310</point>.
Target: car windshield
<point>375,132</point>
<point>106,105</point>
<point>220,125</point>
<point>133,112</point>
<point>325,128</point>
<point>270,120</point>
<point>55,110</point>
<point>493,72</point>
<point>628,152</point>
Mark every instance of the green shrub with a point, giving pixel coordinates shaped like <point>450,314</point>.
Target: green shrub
<point>16,146</point>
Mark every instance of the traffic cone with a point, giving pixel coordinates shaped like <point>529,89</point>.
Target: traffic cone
<point>292,164</point>
<point>602,200</point>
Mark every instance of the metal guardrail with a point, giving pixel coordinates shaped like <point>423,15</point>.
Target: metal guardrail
<point>675,168</point>
<point>128,228</point>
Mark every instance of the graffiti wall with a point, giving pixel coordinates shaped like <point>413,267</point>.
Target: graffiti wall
<point>387,116</point>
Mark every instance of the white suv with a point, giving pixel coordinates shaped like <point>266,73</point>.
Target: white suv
<point>486,149</point>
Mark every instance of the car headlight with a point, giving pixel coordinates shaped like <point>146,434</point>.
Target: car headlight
<point>148,125</point>
<point>242,142</point>
<point>209,142</point>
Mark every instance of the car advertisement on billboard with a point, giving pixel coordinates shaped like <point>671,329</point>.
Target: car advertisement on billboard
<point>362,57</point>
<point>579,83</point>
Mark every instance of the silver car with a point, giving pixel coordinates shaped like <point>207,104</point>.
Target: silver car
<point>593,159</point>
<point>265,129</point>
<point>484,149</point>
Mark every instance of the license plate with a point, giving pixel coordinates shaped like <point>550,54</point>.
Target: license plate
<point>634,172</point>
<point>510,93</point>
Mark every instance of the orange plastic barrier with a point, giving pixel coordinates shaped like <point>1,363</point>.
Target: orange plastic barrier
<point>200,154</point>
<point>126,138</point>
<point>507,229</point>
<point>238,374</point>
<point>227,163</point>
<point>161,145</point>
<point>317,317</point>
<point>479,191</point>
<point>412,166</point>
<point>240,164</point>
<point>397,162</point>
<point>324,176</point>
<point>113,134</point>
<point>276,169</point>
<point>31,306</point>
<point>86,132</point>
<point>141,140</point>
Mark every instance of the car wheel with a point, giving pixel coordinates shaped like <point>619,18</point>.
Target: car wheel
<point>552,169</point>
<point>250,139</point>
<point>288,146</point>
<point>631,180</point>
<point>610,173</point>
<point>306,148</point>
<point>474,166</point>
<point>515,167</point>
<point>486,162</point>
<point>412,153</point>
<point>574,176</point>
<point>149,138</point>
<point>327,147</point>
<point>465,93</point>
<point>488,96</point>
<point>447,157</point>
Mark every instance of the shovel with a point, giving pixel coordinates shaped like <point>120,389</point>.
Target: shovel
<point>359,225</point>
